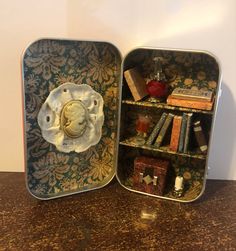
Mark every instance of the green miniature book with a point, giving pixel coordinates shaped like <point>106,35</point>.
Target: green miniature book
<point>164,129</point>
<point>156,129</point>
<point>187,133</point>
<point>182,133</point>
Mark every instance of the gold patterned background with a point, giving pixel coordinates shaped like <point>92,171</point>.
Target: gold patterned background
<point>47,64</point>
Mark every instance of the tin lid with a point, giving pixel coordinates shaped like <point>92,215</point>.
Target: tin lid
<point>79,81</point>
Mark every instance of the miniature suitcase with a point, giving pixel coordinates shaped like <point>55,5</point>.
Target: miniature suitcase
<point>79,117</point>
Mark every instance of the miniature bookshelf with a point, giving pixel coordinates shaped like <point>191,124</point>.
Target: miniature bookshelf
<point>194,161</point>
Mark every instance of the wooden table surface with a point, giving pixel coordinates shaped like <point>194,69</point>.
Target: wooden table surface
<point>113,218</point>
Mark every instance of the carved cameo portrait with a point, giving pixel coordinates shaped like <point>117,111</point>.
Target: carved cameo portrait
<point>72,117</point>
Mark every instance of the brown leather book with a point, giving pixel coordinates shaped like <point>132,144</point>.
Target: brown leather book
<point>200,137</point>
<point>195,104</point>
<point>175,133</point>
<point>136,83</point>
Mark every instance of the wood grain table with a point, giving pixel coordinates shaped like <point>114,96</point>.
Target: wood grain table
<point>113,218</point>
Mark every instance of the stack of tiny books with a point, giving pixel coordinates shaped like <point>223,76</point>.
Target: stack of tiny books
<point>180,132</point>
<point>197,99</point>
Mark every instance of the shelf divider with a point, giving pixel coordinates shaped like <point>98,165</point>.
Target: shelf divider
<point>164,106</point>
<point>162,149</point>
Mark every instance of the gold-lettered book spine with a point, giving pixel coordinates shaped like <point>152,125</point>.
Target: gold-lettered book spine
<point>182,133</point>
<point>164,129</point>
<point>175,133</point>
<point>200,137</point>
<point>192,94</point>
<point>156,129</point>
<point>187,134</point>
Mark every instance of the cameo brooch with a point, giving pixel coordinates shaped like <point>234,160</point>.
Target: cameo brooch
<point>72,117</point>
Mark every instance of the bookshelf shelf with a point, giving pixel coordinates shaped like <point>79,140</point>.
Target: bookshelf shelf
<point>164,106</point>
<point>163,149</point>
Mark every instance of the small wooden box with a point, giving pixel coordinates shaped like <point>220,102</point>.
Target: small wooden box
<point>150,174</point>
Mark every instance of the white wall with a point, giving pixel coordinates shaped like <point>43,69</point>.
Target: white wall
<point>20,23</point>
<point>196,24</point>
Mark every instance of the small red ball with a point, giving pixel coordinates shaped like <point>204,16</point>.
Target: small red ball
<point>157,89</point>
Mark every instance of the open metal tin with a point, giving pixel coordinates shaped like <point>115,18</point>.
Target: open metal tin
<point>53,170</point>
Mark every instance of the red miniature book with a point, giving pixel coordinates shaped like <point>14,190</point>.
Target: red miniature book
<point>174,141</point>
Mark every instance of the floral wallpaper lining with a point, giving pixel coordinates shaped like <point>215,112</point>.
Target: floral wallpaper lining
<point>47,64</point>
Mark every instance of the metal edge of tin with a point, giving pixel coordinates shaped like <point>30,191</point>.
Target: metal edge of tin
<point>212,124</point>
<point>24,117</point>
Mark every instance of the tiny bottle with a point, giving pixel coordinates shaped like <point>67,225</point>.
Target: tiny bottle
<point>157,88</point>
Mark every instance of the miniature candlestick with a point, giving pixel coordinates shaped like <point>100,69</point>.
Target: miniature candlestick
<point>178,189</point>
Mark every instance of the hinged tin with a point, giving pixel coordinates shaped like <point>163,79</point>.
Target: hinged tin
<point>79,116</point>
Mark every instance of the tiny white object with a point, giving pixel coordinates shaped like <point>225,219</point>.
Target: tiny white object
<point>72,117</point>
<point>178,183</point>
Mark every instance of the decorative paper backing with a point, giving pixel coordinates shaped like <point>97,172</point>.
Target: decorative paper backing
<point>182,68</point>
<point>47,64</point>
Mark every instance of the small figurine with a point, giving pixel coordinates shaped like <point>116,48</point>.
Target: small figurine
<point>157,87</point>
<point>179,187</point>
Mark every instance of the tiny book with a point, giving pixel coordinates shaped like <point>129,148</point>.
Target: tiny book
<point>195,104</point>
<point>187,133</point>
<point>164,129</point>
<point>156,129</point>
<point>200,137</point>
<point>175,133</point>
<point>190,94</point>
<point>182,133</point>
<point>136,83</point>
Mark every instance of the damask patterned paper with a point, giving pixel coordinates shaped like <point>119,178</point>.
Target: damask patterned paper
<point>191,70</point>
<point>47,64</point>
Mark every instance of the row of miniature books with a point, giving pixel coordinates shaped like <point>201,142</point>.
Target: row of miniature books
<point>180,133</point>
